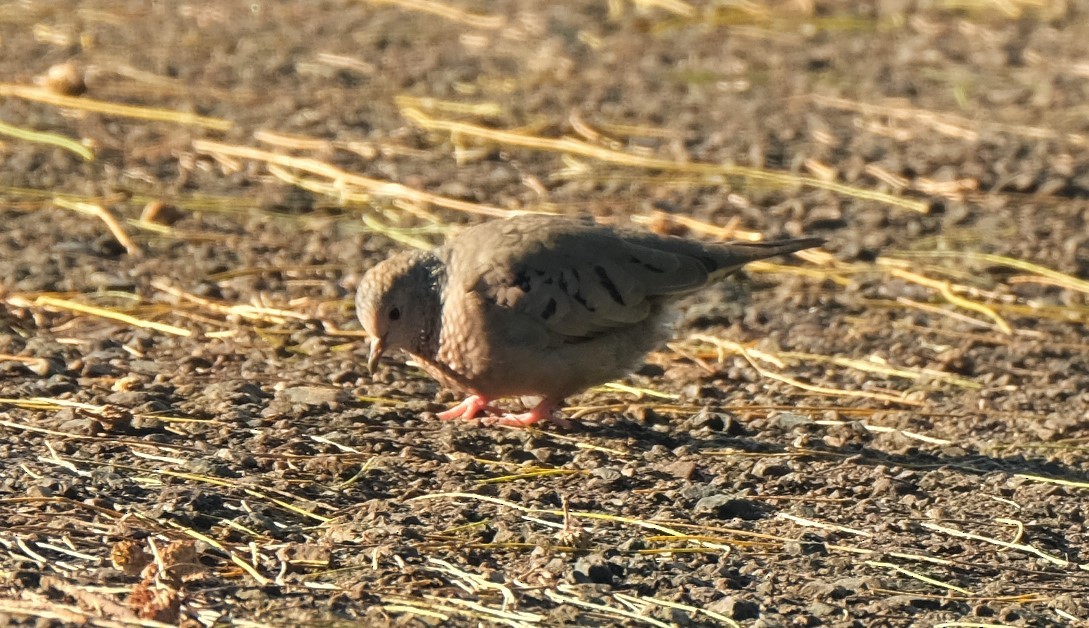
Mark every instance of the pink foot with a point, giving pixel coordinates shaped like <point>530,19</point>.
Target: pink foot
<point>546,410</point>
<point>467,409</point>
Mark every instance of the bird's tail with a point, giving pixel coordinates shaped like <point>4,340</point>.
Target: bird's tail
<point>734,255</point>
<point>763,250</point>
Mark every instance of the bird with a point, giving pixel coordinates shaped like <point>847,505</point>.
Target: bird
<point>539,305</point>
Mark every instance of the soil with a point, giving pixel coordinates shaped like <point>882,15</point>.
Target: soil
<point>890,432</point>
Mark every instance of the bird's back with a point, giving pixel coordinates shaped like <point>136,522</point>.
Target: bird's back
<point>580,279</point>
<point>548,305</point>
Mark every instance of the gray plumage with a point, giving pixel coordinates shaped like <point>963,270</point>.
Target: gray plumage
<point>539,305</point>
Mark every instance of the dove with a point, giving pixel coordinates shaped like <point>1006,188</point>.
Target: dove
<point>539,305</point>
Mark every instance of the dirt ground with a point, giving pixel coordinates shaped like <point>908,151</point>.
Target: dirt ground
<point>890,431</point>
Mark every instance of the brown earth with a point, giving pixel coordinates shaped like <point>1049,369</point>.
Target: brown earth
<point>892,432</point>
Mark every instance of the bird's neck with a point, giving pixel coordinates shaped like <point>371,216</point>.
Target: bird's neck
<point>426,343</point>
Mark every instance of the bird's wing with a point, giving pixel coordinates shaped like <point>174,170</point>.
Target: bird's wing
<point>575,280</point>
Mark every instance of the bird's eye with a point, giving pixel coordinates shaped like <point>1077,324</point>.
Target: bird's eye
<point>395,314</point>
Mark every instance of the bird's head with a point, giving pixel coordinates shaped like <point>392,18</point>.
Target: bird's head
<point>398,303</point>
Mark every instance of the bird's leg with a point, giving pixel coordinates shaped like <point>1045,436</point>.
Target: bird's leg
<point>467,409</point>
<point>546,410</point>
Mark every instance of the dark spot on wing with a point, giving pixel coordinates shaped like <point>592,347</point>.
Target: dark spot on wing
<point>582,301</point>
<point>607,281</point>
<point>549,310</point>
<point>578,340</point>
<point>561,281</point>
<point>709,263</point>
<point>521,280</point>
<point>647,265</point>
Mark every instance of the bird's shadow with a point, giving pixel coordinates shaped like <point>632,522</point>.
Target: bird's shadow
<point>640,435</point>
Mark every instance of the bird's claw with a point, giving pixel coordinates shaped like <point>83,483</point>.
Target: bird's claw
<point>475,404</point>
<point>544,411</point>
<point>467,409</point>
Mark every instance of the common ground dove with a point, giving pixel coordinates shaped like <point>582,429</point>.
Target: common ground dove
<point>538,305</point>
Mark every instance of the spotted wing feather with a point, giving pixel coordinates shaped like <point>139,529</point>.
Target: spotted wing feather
<point>579,281</point>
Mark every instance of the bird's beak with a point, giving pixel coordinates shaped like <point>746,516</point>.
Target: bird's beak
<point>376,352</point>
